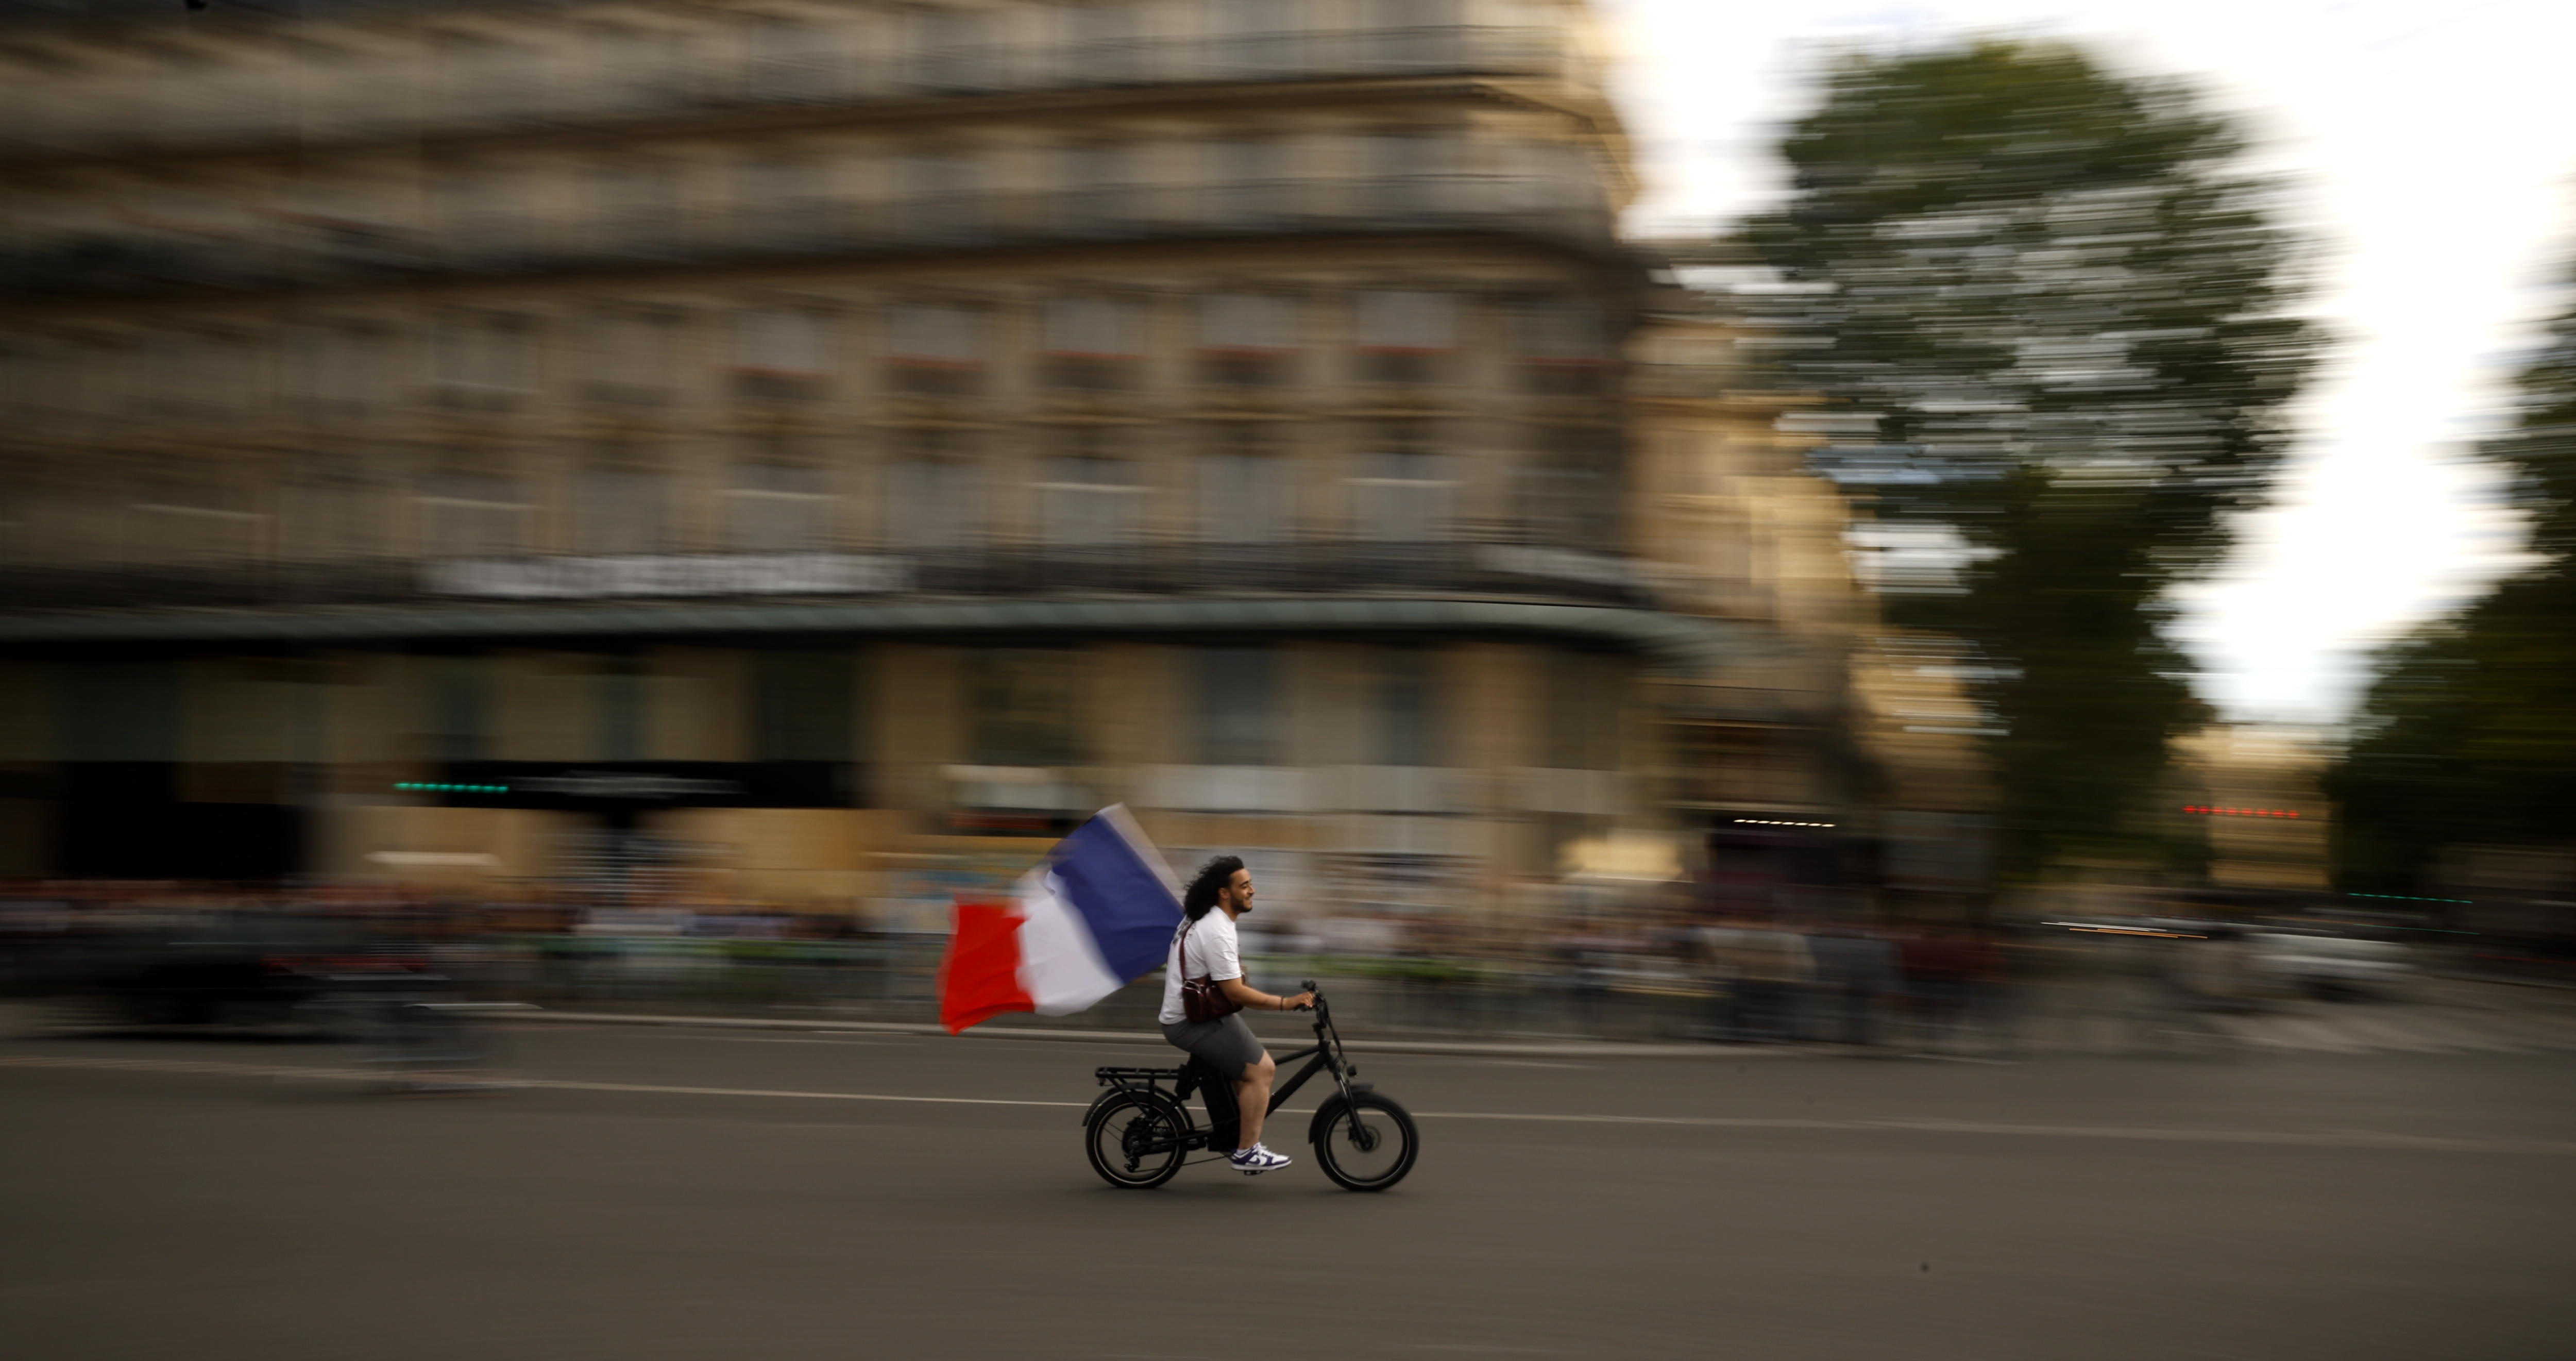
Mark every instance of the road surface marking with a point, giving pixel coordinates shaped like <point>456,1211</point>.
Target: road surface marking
<point>567,1085</point>
<point>2370,1139</point>
<point>852,1043</point>
<point>2165,1134</point>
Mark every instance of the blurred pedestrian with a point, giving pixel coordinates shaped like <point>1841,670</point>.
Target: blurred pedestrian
<point>1937,964</point>
<point>1856,975</point>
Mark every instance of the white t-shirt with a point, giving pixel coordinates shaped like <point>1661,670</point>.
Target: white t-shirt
<point>1213,954</point>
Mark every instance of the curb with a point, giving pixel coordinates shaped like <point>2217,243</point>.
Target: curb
<point>1596,1049</point>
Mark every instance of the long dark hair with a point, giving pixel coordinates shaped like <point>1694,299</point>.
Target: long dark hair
<point>1212,876</point>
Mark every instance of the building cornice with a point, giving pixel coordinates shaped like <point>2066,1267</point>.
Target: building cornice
<point>700,123</point>
<point>1675,642</point>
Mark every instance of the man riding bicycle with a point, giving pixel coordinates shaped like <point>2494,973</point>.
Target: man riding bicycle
<point>1205,948</point>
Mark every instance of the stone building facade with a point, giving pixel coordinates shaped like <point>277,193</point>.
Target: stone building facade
<point>808,450</point>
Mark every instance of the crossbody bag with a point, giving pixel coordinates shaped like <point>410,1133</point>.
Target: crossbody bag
<point>1201,998</point>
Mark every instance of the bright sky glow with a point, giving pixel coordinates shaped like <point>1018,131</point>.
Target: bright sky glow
<point>2433,161</point>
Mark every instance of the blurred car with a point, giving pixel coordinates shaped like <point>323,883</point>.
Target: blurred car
<point>2330,966</point>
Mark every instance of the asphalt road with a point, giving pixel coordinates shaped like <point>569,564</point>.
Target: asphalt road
<point>686,1193</point>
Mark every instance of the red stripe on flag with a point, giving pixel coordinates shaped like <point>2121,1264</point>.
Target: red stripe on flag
<point>980,978</point>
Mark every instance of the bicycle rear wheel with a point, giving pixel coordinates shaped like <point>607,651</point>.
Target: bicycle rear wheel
<point>1135,1142</point>
<point>1366,1143</point>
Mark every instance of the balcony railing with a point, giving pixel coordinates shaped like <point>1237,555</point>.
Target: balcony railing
<point>1526,205</point>
<point>1328,567</point>
<point>357,101</point>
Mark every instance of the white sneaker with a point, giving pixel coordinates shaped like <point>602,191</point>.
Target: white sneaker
<point>1254,1161</point>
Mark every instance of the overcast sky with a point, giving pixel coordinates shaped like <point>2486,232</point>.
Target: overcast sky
<point>2432,149</point>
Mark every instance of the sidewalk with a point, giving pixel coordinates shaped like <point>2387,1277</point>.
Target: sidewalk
<point>1599,1049</point>
<point>2110,1018</point>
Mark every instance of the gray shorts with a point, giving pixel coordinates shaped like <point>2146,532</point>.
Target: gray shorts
<point>1227,1044</point>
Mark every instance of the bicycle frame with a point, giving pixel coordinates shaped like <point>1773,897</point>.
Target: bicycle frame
<point>1327,1056</point>
<point>1323,1056</point>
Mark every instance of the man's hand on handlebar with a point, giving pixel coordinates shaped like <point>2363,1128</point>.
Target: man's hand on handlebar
<point>1303,1001</point>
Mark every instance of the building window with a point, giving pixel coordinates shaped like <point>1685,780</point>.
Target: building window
<point>1096,186</point>
<point>783,204</point>
<point>460,707</point>
<point>1413,173</point>
<point>620,691</point>
<point>332,511</point>
<point>619,510</point>
<point>1253,39</point>
<point>934,350</point>
<point>1249,183</point>
<point>633,203</point>
<point>1099,45</point>
<point>335,372</point>
<point>1404,736</point>
<point>1247,339</point>
<point>1093,343</point>
<point>190,374</point>
<point>1404,336</point>
<point>934,501</point>
<point>791,61</point>
<point>1579,717</point>
<point>627,361</point>
<point>950,51</point>
<point>197,516</point>
<point>481,363</point>
<point>937,196</point>
<point>804,706</point>
<point>1025,705</point>
<point>471,515</point>
<point>121,711</point>
<point>1570,488</point>
<point>1559,345</point>
<point>1402,491</point>
<point>1089,498</point>
<point>780,354</point>
<point>778,507</point>
<point>1237,706</point>
<point>485,213</point>
<point>1413,35</point>
<point>1245,495</point>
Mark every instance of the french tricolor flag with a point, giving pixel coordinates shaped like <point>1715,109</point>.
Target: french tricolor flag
<point>1099,911</point>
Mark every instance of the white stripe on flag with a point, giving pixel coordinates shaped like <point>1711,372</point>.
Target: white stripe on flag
<point>1060,967</point>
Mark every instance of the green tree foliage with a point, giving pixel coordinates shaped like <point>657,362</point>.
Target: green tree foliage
<point>2052,301</point>
<point>2469,734</point>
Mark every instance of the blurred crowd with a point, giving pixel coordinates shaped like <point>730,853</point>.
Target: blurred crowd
<point>1647,964</point>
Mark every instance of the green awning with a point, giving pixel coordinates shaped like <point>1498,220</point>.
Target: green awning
<point>1676,641</point>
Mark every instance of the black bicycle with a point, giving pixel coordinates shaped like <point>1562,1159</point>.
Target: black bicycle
<point>1139,1135</point>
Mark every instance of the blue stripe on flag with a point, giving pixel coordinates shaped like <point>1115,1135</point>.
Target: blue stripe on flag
<point>1120,894</point>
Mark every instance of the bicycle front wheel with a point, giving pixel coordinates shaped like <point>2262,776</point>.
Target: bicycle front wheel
<point>1134,1142</point>
<point>1365,1142</point>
